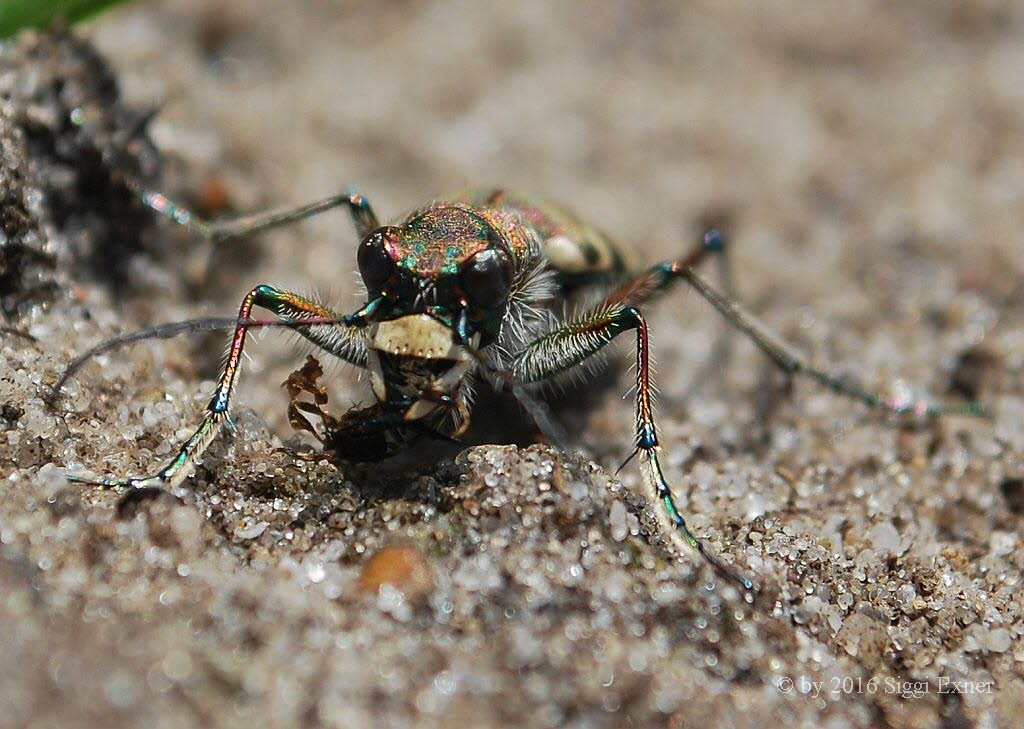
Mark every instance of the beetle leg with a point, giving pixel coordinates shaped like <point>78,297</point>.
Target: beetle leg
<point>543,417</point>
<point>214,232</point>
<point>659,277</point>
<point>343,341</point>
<point>642,288</point>
<point>575,341</point>
<point>793,363</point>
<point>217,231</point>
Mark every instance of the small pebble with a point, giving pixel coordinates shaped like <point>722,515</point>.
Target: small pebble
<point>617,521</point>
<point>999,640</point>
<point>884,537</point>
<point>402,567</point>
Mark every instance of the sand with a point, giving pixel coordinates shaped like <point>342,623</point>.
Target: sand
<point>867,162</point>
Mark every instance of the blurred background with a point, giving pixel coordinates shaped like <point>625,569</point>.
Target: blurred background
<point>857,154</point>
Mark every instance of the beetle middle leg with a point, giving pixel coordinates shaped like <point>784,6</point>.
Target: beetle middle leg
<point>345,342</point>
<point>571,343</point>
<point>793,363</point>
<point>215,232</point>
<point>218,231</point>
<point>657,279</point>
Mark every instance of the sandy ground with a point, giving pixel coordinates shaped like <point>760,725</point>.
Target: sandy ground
<point>867,160</point>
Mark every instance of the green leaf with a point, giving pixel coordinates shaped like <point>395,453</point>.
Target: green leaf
<point>16,15</point>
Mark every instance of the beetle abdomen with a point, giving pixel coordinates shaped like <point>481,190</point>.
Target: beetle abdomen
<point>576,250</point>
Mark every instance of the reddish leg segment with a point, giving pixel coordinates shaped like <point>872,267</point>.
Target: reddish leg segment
<point>345,342</point>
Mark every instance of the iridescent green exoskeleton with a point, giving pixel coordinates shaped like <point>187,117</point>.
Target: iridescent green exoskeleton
<point>469,288</point>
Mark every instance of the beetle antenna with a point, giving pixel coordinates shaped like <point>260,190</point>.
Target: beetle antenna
<point>173,329</point>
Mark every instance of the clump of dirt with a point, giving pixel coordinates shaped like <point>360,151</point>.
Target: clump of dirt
<point>360,434</point>
<point>26,261</point>
<point>70,147</point>
<point>306,381</point>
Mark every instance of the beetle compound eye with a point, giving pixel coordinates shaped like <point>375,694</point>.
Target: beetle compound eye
<point>487,278</point>
<point>375,262</point>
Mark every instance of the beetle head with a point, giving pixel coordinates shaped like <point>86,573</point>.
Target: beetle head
<point>446,262</point>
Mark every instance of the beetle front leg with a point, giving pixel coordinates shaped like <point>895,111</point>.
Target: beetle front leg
<point>346,342</point>
<point>571,344</point>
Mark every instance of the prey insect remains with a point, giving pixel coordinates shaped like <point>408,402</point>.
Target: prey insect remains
<point>467,289</point>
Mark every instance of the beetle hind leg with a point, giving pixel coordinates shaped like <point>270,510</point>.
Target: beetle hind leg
<point>661,276</point>
<point>543,417</point>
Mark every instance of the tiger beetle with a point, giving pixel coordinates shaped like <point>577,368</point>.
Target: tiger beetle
<point>470,288</point>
